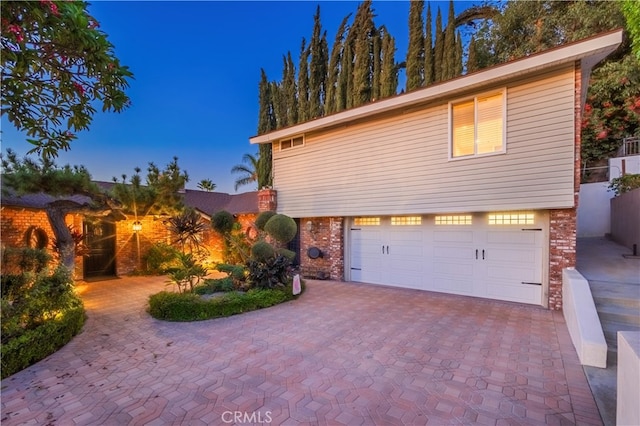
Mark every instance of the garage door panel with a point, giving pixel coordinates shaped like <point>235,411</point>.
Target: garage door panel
<point>448,285</point>
<point>454,269</point>
<point>513,274</point>
<point>453,236</point>
<point>516,237</point>
<point>476,257</point>
<point>523,293</point>
<point>459,253</point>
<point>517,256</point>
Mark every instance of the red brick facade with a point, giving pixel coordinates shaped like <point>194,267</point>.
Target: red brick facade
<point>15,222</point>
<point>267,200</point>
<point>326,234</point>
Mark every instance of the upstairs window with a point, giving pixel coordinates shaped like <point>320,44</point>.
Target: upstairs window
<point>291,142</point>
<point>477,125</point>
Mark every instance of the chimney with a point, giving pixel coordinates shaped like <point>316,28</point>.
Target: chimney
<point>267,200</point>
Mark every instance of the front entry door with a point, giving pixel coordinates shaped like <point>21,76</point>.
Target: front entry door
<point>100,240</point>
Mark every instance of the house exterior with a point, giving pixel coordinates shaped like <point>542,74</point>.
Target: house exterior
<point>116,245</point>
<point>467,187</point>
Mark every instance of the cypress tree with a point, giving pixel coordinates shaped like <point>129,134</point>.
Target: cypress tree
<point>317,69</point>
<point>389,77</point>
<point>265,124</point>
<point>361,89</point>
<point>376,65</point>
<point>343,92</point>
<point>333,71</point>
<point>458,67</point>
<point>279,107</point>
<point>265,116</point>
<point>416,49</point>
<point>472,58</point>
<point>438,49</point>
<point>428,50</point>
<point>449,50</point>
<point>283,114</point>
<point>289,88</point>
<point>303,84</point>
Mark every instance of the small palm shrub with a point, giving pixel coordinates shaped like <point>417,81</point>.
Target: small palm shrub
<point>188,274</point>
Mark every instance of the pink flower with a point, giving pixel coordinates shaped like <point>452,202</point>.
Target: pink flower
<point>79,88</point>
<point>17,31</point>
<point>601,135</point>
<point>52,7</point>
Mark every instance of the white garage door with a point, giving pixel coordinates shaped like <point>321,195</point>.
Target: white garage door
<point>495,255</point>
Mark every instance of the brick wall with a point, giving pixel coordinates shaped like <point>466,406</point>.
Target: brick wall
<point>562,223</point>
<point>154,231</point>
<point>267,200</point>
<point>326,234</point>
<point>16,222</point>
<point>562,251</point>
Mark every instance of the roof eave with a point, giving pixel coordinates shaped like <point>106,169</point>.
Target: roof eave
<point>590,51</point>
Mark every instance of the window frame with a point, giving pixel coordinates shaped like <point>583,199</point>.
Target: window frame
<point>291,141</point>
<point>451,104</point>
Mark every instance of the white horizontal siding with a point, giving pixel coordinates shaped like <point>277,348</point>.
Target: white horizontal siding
<point>399,164</point>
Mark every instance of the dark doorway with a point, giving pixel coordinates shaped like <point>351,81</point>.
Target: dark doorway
<point>100,240</point>
<point>294,246</point>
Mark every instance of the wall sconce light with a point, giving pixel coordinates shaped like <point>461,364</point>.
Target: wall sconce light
<point>137,226</point>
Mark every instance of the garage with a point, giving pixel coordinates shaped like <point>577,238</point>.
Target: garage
<point>495,255</point>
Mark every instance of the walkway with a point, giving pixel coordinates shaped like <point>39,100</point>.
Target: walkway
<point>343,353</point>
<point>615,285</point>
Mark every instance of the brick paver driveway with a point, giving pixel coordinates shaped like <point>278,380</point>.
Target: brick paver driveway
<point>343,353</point>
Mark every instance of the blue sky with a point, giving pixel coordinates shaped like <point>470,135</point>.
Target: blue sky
<point>197,68</point>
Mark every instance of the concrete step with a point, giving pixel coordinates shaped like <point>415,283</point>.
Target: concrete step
<point>611,328</point>
<point>619,314</point>
<point>617,301</point>
<point>624,294</point>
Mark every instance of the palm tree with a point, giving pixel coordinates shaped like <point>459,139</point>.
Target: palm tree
<point>206,185</point>
<point>249,170</point>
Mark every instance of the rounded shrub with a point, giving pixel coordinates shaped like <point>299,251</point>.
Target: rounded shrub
<point>263,218</point>
<point>222,222</point>
<point>291,255</point>
<point>282,228</point>
<point>262,251</point>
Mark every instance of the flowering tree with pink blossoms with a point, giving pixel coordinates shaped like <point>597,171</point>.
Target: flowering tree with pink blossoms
<point>56,67</point>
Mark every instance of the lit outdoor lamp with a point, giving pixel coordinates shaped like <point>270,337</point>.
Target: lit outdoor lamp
<point>137,226</point>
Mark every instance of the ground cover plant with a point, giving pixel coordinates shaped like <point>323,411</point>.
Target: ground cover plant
<point>260,276</point>
<point>40,311</point>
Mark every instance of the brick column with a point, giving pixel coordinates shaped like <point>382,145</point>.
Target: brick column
<point>562,223</point>
<point>267,200</point>
<point>325,233</point>
<point>336,248</point>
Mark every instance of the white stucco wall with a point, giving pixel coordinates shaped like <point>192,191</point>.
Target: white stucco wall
<point>628,409</point>
<point>582,319</point>
<point>631,166</point>
<point>594,212</point>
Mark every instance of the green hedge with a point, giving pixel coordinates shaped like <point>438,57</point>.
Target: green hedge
<point>37,344</point>
<point>192,307</point>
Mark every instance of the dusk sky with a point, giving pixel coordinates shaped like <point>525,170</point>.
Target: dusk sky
<point>197,68</point>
